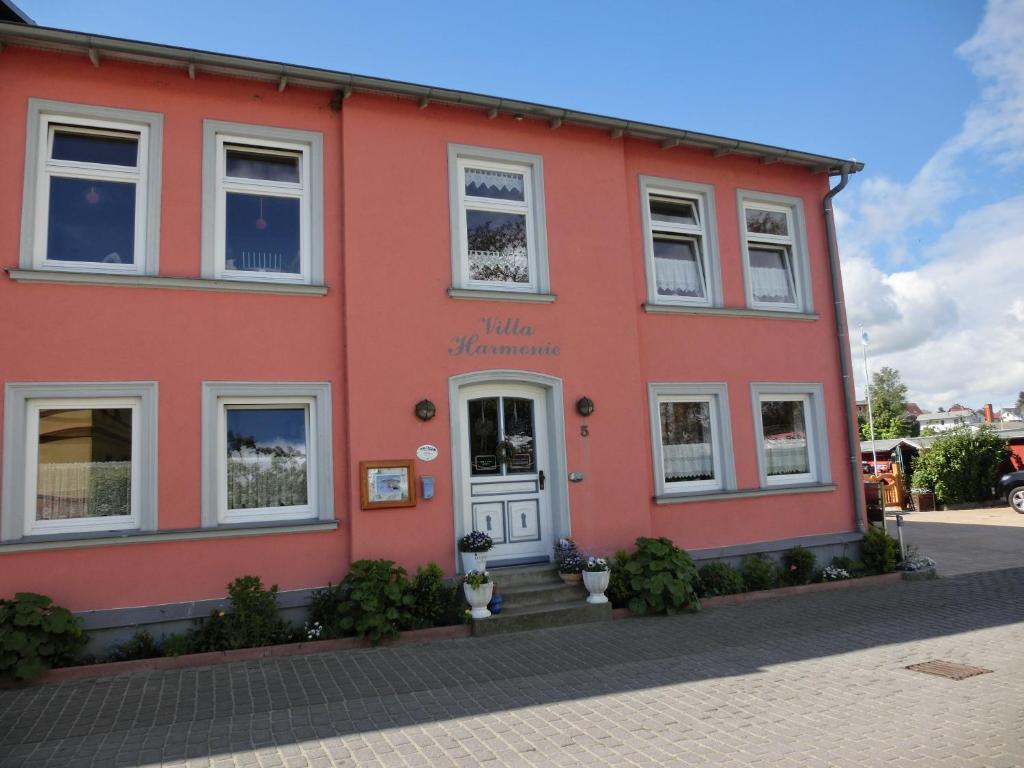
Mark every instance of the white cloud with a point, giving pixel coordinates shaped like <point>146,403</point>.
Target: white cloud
<point>953,324</point>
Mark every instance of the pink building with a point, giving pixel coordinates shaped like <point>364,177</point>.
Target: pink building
<point>229,282</point>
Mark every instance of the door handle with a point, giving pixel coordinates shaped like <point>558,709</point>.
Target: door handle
<point>540,479</point>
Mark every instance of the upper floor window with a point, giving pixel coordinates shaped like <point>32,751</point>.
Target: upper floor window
<point>681,244</point>
<point>775,252</point>
<point>92,200</point>
<point>265,189</point>
<point>497,220</point>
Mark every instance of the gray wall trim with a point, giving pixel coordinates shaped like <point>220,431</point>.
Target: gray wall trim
<point>741,493</point>
<point>16,397</point>
<point>712,258</point>
<point>474,294</point>
<point>801,256</point>
<point>313,139</point>
<point>320,391</point>
<point>777,545</point>
<point>540,227</point>
<point>724,448</point>
<point>767,314</point>
<point>156,281</point>
<point>818,426</point>
<point>556,436</point>
<point>37,108</point>
<point>71,541</point>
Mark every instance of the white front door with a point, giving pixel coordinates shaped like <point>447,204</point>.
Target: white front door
<point>503,440</point>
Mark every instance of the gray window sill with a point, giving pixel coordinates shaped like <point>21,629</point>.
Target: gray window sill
<point>160,281</point>
<point>742,493</point>
<point>480,295</point>
<point>771,314</point>
<point>107,538</point>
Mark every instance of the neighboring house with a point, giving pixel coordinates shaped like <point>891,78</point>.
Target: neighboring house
<point>946,420</point>
<point>229,282</point>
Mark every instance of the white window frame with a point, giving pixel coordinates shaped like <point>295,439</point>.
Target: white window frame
<point>43,118</point>
<point>702,196</point>
<point>717,395</point>
<point>22,404</point>
<point>309,191</point>
<point>812,396</point>
<point>794,246</point>
<point>315,398</point>
<point>532,168</point>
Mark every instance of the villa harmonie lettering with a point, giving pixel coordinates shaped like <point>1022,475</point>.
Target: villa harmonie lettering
<point>508,336</point>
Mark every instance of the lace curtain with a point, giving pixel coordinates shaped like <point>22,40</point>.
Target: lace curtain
<point>786,457</point>
<point>688,461</point>
<point>771,284</point>
<point>481,178</point>
<point>678,277</point>
<point>73,490</point>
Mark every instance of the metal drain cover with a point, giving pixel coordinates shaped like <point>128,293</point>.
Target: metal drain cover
<point>948,669</point>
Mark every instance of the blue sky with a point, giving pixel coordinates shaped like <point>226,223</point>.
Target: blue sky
<point>940,125</point>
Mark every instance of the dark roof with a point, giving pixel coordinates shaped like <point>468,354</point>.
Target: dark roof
<point>10,12</point>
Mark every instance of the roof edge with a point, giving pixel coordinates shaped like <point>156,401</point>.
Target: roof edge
<point>99,46</point>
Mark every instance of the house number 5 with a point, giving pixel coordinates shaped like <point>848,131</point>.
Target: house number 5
<point>585,430</point>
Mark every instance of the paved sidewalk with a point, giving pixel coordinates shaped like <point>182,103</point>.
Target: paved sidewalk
<point>815,680</point>
<point>966,540</point>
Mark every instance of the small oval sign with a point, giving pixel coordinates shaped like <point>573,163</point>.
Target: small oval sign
<point>426,452</point>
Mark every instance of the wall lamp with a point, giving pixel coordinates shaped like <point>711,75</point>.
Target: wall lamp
<point>584,406</point>
<point>425,410</point>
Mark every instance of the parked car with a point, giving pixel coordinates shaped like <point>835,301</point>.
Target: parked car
<point>1011,487</point>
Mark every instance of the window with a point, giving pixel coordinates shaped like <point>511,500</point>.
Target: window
<point>263,204</point>
<point>497,219</point>
<point>92,202</point>
<point>79,458</point>
<point>775,260</point>
<point>790,430</point>
<point>681,243</point>
<point>266,453</point>
<point>692,442</point>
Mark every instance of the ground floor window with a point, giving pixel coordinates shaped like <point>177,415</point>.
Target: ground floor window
<point>790,428</point>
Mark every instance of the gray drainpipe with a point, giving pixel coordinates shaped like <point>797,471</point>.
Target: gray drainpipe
<point>844,351</point>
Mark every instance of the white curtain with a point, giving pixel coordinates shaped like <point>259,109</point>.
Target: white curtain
<point>72,490</point>
<point>512,182</point>
<point>770,284</point>
<point>786,457</point>
<point>689,460</point>
<point>678,276</point>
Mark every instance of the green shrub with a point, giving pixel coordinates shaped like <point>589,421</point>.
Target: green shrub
<point>177,644</point>
<point>878,551</point>
<point>251,620</point>
<point>798,566</point>
<point>961,465</point>
<point>720,579</point>
<point>661,578</point>
<point>373,601</point>
<point>141,645</point>
<point>618,592</point>
<point>36,635</point>
<point>432,598</point>
<point>759,572</point>
<point>853,567</point>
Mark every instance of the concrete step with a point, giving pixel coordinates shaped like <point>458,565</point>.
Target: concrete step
<point>547,593</point>
<point>539,617</point>
<point>523,575</point>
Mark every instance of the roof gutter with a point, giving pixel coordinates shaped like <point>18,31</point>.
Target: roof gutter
<point>853,438</point>
<point>98,47</point>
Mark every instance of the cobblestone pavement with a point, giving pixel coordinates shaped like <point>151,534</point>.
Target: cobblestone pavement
<point>815,680</point>
<point>967,540</point>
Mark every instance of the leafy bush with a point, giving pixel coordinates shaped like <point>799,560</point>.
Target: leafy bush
<point>961,465</point>
<point>661,578</point>
<point>373,601</point>
<point>853,567</point>
<point>618,592</point>
<point>251,621</point>
<point>720,579</point>
<point>878,551</point>
<point>177,644</point>
<point>759,572</point>
<point>432,598</point>
<point>141,645</point>
<point>36,635</point>
<point>797,566</point>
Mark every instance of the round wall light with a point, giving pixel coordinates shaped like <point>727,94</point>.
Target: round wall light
<point>584,406</point>
<point>425,410</point>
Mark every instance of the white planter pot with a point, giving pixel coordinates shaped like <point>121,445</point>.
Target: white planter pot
<point>478,599</point>
<point>473,561</point>
<point>596,583</point>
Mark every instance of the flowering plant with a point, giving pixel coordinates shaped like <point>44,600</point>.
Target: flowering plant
<point>831,573</point>
<point>568,557</point>
<point>313,631</point>
<point>475,541</point>
<point>595,564</point>
<point>477,579</point>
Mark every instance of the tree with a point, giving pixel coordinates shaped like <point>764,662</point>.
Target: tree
<point>889,407</point>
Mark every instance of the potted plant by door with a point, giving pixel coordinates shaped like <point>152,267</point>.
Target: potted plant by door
<point>474,547</point>
<point>569,561</point>
<point>595,579</point>
<point>478,588</point>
